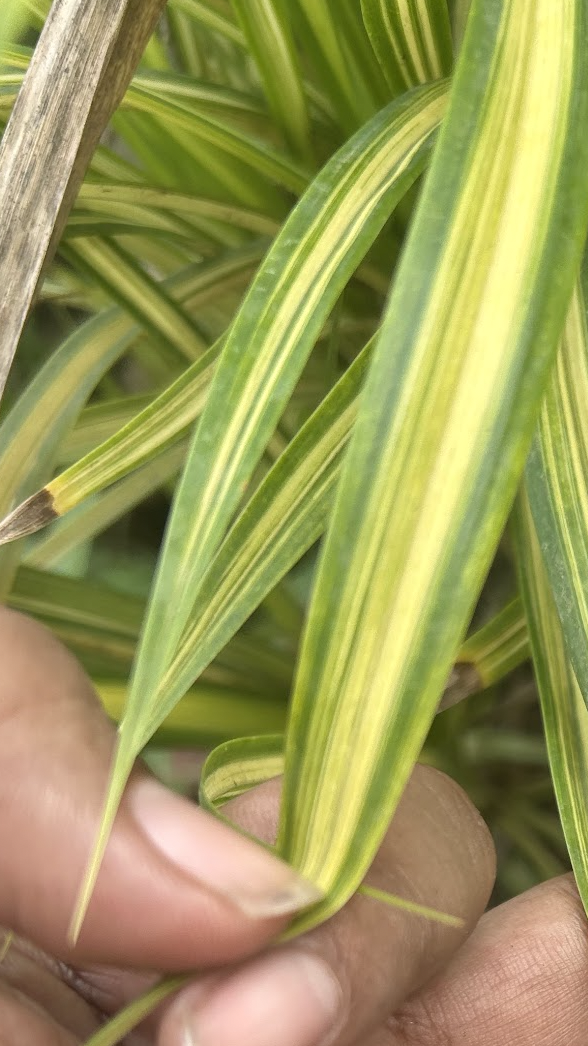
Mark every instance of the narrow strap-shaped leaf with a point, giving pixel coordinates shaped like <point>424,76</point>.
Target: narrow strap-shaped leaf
<point>32,430</point>
<point>499,646</point>
<point>271,338</point>
<point>12,21</point>
<point>301,484</point>
<point>556,477</point>
<point>286,515</point>
<point>198,123</point>
<point>459,10</point>
<point>97,422</point>
<point>411,38</point>
<point>266,25</point>
<point>119,1027</point>
<point>438,449</point>
<point>208,15</point>
<point>95,514</point>
<point>309,265</point>
<point>165,421</point>
<point>489,654</point>
<point>120,202</point>
<point>238,765</point>
<point>207,715</point>
<point>260,158</point>
<point>84,603</point>
<point>330,51</point>
<point>129,285</point>
<point>81,66</point>
<point>202,96</point>
<point>565,716</point>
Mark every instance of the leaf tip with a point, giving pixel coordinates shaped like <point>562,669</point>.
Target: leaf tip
<point>34,514</point>
<point>463,682</point>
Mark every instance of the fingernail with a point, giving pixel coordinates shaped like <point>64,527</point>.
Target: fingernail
<point>255,881</point>
<point>288,998</point>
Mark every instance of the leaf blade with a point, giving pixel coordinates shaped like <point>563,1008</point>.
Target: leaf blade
<point>381,635</point>
<point>564,712</point>
<point>556,484</point>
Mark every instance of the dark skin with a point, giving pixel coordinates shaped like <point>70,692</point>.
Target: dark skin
<point>372,976</point>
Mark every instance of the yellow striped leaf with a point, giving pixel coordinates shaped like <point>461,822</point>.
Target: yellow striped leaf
<point>219,21</point>
<point>285,516</point>
<point>499,646</point>
<point>165,420</point>
<point>411,38</point>
<point>129,285</point>
<point>267,29</point>
<point>565,716</point>
<point>307,268</point>
<point>556,477</point>
<point>451,400</point>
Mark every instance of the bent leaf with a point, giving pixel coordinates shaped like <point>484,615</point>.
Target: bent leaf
<point>412,41</point>
<point>310,263</point>
<point>286,515</point>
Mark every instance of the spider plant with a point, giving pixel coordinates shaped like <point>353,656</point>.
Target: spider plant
<point>304,284</point>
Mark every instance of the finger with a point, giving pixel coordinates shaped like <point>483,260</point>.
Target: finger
<point>520,979</point>
<point>177,889</point>
<point>36,1003</point>
<point>338,982</point>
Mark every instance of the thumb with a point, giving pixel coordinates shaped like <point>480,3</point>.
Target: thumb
<point>177,889</point>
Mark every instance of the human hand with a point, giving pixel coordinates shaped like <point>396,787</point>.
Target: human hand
<point>372,976</point>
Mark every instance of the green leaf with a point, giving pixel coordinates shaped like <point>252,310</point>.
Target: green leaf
<point>42,415</point>
<point>412,40</point>
<point>145,207</point>
<point>565,715</point>
<point>206,715</point>
<point>311,261</point>
<point>97,513</point>
<point>31,432</point>
<point>438,449</point>
<point>266,25</point>
<point>98,422</point>
<point>238,765</point>
<point>556,484</point>
<point>206,14</point>
<point>40,418</point>
<point>50,597</point>
<point>271,338</point>
<point>165,421</point>
<point>334,39</point>
<point>115,1031</point>
<point>13,21</point>
<point>285,516</point>
<point>129,285</point>
<point>195,130</point>
<point>498,647</point>
<point>459,10</point>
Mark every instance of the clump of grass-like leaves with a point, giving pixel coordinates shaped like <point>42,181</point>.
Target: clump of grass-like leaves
<point>314,300</point>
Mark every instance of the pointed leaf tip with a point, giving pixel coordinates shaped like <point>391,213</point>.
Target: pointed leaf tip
<point>34,514</point>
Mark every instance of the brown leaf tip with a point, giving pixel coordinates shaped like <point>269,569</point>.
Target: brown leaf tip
<point>463,682</point>
<point>34,514</point>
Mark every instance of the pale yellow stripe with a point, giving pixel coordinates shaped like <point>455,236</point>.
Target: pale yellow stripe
<point>533,83</point>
